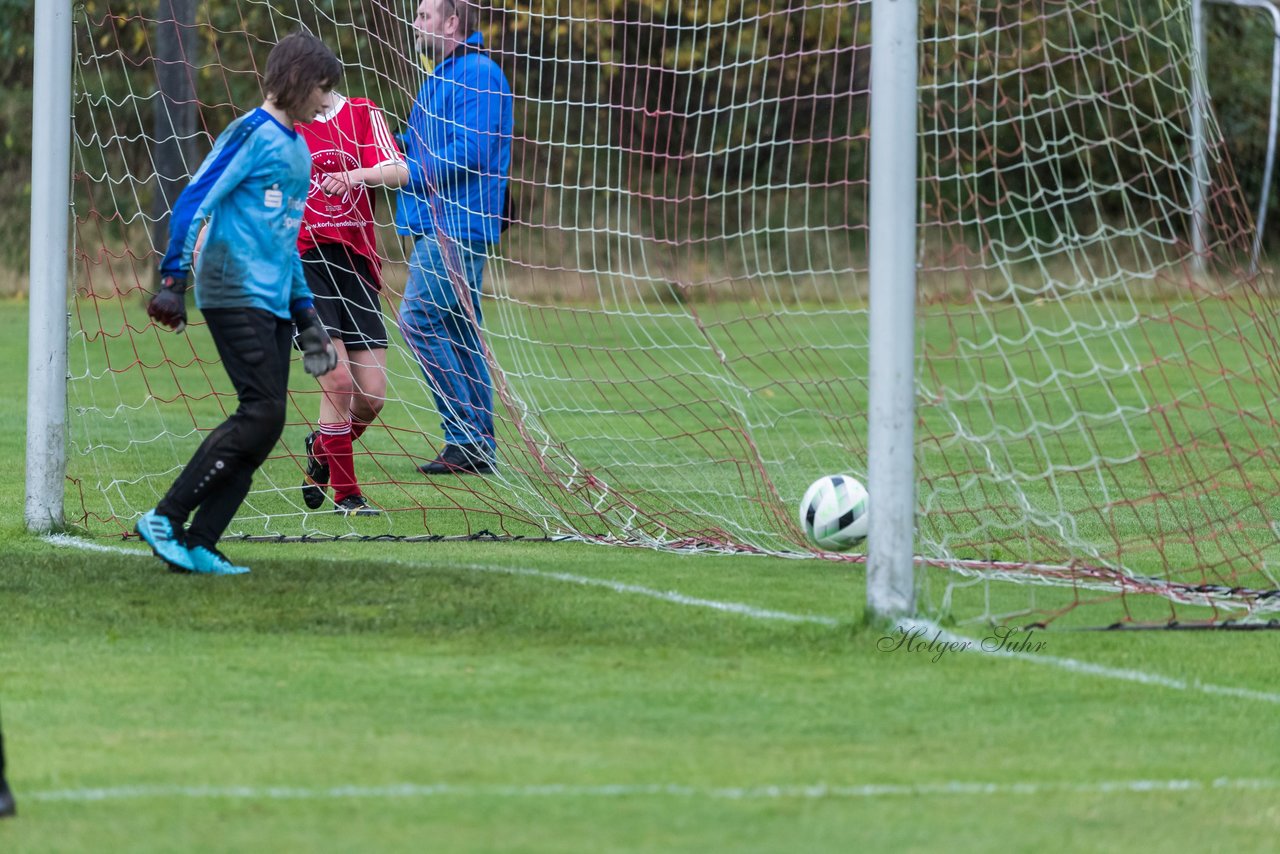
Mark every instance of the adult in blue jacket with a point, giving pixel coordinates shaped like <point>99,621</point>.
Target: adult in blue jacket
<point>458,149</point>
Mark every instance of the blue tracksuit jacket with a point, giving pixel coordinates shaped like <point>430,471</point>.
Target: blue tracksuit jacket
<point>253,189</point>
<point>458,148</point>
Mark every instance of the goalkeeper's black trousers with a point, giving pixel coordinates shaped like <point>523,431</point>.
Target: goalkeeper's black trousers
<point>255,347</point>
<point>7,806</point>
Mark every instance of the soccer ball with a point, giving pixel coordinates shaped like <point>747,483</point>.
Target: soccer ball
<point>833,512</point>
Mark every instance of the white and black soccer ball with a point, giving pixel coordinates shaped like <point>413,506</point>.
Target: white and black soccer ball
<point>833,512</point>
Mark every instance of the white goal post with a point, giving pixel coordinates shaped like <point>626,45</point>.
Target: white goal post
<point>892,255</point>
<point>50,215</point>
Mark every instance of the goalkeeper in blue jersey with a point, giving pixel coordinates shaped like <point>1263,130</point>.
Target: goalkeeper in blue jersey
<point>252,189</point>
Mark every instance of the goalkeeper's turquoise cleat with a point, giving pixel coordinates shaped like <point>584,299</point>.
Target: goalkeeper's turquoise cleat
<point>213,562</point>
<point>157,532</point>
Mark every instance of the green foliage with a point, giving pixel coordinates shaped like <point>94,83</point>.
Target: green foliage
<point>724,117</point>
<point>1240,51</point>
<point>735,100</point>
<point>16,35</point>
<point>699,102</point>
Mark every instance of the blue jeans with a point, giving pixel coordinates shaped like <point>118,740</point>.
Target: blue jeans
<point>443,333</point>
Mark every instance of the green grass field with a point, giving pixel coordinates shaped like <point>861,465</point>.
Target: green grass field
<point>519,696</point>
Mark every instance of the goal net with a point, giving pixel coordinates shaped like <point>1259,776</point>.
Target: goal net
<point>677,321</point>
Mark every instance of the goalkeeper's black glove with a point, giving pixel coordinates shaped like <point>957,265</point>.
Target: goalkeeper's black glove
<point>169,305</point>
<point>319,356</point>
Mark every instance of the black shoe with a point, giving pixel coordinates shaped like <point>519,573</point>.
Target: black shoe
<point>356,505</point>
<point>317,475</point>
<point>460,459</point>
<point>8,807</point>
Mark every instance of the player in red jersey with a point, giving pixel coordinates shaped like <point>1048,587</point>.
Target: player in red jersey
<point>351,150</point>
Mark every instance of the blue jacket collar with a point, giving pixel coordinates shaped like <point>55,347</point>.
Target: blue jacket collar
<point>473,44</point>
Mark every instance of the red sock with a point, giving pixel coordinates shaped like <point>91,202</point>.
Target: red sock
<point>337,451</point>
<point>358,428</point>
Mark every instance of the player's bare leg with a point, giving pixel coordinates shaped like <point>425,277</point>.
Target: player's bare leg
<point>353,396</point>
<point>369,389</point>
<point>369,379</point>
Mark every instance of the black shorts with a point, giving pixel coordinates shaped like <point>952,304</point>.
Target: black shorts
<point>342,282</point>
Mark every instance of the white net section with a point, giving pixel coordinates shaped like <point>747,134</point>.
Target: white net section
<point>677,321</point>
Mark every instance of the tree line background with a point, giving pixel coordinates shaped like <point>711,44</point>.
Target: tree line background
<point>695,125</point>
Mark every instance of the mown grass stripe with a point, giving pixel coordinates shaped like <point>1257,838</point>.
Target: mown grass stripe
<point>816,791</point>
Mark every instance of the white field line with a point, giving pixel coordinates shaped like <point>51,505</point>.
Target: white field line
<point>582,580</point>
<point>930,631</point>
<point>819,791</point>
<point>965,644</point>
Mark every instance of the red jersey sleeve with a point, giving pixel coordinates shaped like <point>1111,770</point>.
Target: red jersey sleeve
<point>378,145</point>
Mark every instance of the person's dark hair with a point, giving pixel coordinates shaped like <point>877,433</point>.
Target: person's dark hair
<point>296,65</point>
<point>466,12</point>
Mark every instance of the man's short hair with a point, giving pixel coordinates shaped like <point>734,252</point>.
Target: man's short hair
<point>466,12</point>
<point>296,65</point>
